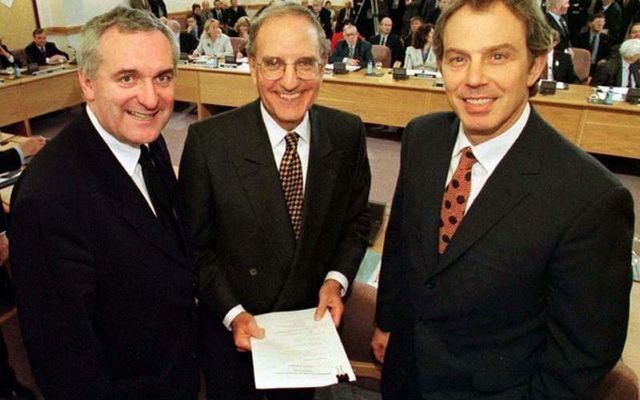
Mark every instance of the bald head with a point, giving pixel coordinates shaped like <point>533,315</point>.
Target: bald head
<point>174,26</point>
<point>385,26</point>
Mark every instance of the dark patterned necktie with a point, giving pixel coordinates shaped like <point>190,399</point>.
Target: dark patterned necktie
<point>455,198</point>
<point>291,181</point>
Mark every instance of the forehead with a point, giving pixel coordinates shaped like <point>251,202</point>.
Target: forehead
<point>470,29</point>
<point>135,50</point>
<point>287,37</point>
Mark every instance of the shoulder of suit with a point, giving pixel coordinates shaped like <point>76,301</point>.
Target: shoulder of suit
<point>339,116</point>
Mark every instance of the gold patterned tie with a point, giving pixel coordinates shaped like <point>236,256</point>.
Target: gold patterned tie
<point>455,198</point>
<point>291,181</point>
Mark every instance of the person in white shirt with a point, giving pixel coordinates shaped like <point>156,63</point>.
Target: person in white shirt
<point>420,54</point>
<point>213,42</point>
<point>622,71</point>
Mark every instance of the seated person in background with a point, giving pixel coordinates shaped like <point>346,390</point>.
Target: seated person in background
<point>196,13</point>
<point>186,41</point>
<point>420,55</point>
<point>351,50</point>
<point>192,27</point>
<point>227,30</point>
<point>242,27</point>
<point>234,13</point>
<point>414,24</point>
<point>559,64</point>
<point>7,59</point>
<point>623,70</point>
<point>339,34</point>
<point>386,38</point>
<point>594,40</point>
<point>44,52</point>
<point>633,32</point>
<point>346,13</point>
<point>324,16</point>
<point>213,42</point>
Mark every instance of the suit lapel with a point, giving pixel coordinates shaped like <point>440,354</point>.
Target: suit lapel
<point>120,190</point>
<point>259,177</point>
<point>504,189</point>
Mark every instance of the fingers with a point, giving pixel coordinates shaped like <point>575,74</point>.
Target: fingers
<point>244,327</point>
<point>330,298</point>
<point>379,343</point>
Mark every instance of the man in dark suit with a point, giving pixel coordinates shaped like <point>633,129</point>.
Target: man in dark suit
<point>594,40</point>
<point>476,301</point>
<point>622,69</point>
<point>346,13</point>
<point>577,16</point>
<point>277,195</point>
<point>386,38</point>
<point>100,255</point>
<point>559,64</point>
<point>187,42</point>
<point>234,13</point>
<point>44,52</point>
<point>351,50</point>
<point>158,8</point>
<point>7,59</point>
<point>613,15</point>
<point>11,160</point>
<point>324,17</point>
<point>556,11</point>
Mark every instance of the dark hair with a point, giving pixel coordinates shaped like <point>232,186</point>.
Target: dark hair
<point>416,18</point>
<point>37,31</point>
<point>592,17</point>
<point>194,6</point>
<point>419,37</point>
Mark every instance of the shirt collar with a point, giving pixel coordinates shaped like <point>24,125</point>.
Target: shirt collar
<point>126,154</point>
<point>490,153</point>
<point>277,133</point>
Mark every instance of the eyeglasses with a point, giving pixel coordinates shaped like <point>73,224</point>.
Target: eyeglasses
<point>273,68</point>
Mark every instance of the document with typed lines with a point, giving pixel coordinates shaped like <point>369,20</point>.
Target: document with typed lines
<point>298,352</point>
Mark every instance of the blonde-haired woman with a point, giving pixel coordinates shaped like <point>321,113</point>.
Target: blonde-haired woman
<point>213,42</point>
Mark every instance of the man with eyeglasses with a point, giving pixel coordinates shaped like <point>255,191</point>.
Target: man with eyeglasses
<point>277,192</point>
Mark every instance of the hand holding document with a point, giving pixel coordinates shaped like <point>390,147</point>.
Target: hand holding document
<point>298,352</point>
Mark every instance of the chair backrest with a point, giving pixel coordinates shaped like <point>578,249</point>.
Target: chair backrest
<point>581,63</point>
<point>356,330</point>
<point>381,54</point>
<point>21,55</point>
<point>237,43</point>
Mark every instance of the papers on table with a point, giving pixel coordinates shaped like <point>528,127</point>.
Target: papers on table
<point>350,68</point>
<point>424,73</point>
<point>298,352</point>
<point>619,93</point>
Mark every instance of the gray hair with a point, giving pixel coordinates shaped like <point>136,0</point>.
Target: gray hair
<point>630,48</point>
<point>127,20</point>
<point>284,9</point>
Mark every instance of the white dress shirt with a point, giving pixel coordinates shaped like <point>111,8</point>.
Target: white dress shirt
<point>278,145</point>
<point>489,154</point>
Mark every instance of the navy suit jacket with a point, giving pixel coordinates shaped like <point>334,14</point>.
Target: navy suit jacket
<point>512,309</point>
<point>394,44</point>
<point>105,293</point>
<point>35,55</point>
<point>361,52</point>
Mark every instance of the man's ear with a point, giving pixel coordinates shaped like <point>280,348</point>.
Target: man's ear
<point>87,86</point>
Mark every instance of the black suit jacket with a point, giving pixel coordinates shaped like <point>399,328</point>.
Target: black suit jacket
<point>610,73</point>
<point>9,161</point>
<point>4,61</point>
<point>565,41</point>
<point>106,295</point>
<point>394,44</point>
<point>35,55</point>
<point>158,8</point>
<point>361,52</point>
<point>563,70</point>
<point>232,16</point>
<point>351,14</point>
<point>582,41</point>
<point>188,42</point>
<point>613,17</point>
<point>512,309</point>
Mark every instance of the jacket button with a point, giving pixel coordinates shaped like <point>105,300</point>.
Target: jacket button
<point>253,272</point>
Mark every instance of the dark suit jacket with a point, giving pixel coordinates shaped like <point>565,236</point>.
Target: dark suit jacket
<point>106,295</point>
<point>4,61</point>
<point>563,70</point>
<point>158,8</point>
<point>613,17</point>
<point>394,44</point>
<point>512,309</point>
<point>564,37</point>
<point>350,15</point>
<point>35,55</point>
<point>582,41</point>
<point>325,21</point>
<point>188,42</point>
<point>361,52</point>
<point>232,16</point>
<point>610,73</point>
<point>245,246</point>
<point>9,161</point>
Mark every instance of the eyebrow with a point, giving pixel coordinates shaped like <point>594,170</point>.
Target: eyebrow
<point>502,46</point>
<point>135,71</point>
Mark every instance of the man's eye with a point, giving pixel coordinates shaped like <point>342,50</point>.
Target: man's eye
<point>165,78</point>
<point>274,62</point>
<point>126,79</point>
<point>306,63</point>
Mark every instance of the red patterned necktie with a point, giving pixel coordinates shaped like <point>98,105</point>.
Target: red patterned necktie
<point>291,181</point>
<point>455,198</point>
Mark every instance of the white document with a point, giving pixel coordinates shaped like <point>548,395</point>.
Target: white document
<point>298,352</point>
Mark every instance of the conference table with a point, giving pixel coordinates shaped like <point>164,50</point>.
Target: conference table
<point>30,96</point>
<point>604,129</point>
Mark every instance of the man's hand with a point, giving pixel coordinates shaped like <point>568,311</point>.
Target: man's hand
<point>32,145</point>
<point>353,61</point>
<point>57,59</point>
<point>379,343</point>
<point>330,298</point>
<point>4,247</point>
<point>244,327</point>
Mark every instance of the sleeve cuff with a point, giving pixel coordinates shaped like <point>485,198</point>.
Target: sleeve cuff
<point>20,154</point>
<point>342,280</point>
<point>231,315</point>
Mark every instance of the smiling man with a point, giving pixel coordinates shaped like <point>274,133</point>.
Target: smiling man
<point>99,254</point>
<point>505,272</point>
<point>277,192</point>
